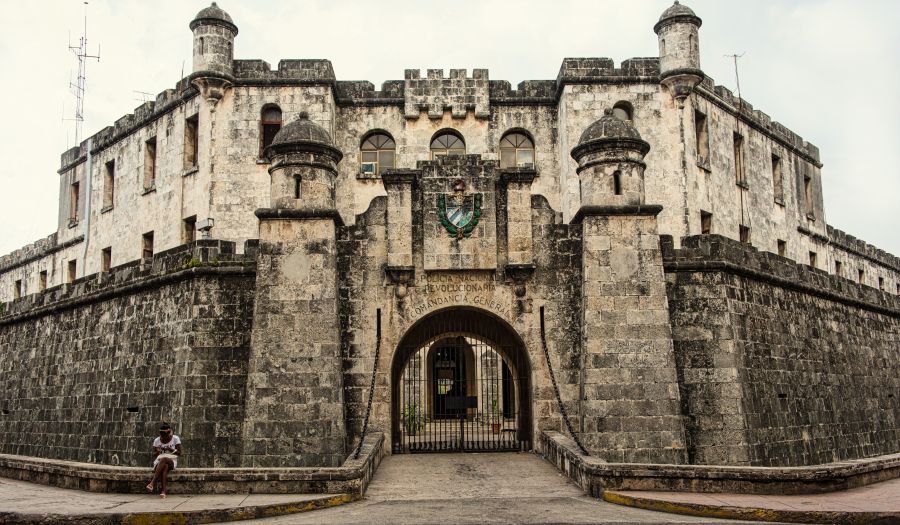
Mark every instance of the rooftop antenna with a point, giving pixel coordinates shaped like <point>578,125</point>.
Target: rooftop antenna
<point>80,84</point>
<point>144,96</point>
<point>737,77</point>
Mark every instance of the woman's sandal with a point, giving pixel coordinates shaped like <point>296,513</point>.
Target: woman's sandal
<point>162,495</point>
<point>149,488</point>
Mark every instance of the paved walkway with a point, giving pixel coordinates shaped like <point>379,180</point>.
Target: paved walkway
<point>454,489</point>
<point>22,502</point>
<point>878,503</point>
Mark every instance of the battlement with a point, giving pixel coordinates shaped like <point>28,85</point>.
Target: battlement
<point>198,257</point>
<point>603,70</point>
<point>34,251</point>
<point>363,93</point>
<point>726,99</point>
<point>316,71</point>
<point>435,92</point>
<point>859,247</point>
<point>705,253</point>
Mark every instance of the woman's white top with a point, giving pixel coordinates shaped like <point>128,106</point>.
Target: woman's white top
<point>167,450</point>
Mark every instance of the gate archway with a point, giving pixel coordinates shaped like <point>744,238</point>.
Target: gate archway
<point>461,381</point>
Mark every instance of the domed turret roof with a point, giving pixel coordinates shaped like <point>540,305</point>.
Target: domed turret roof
<point>609,127</point>
<point>213,15</point>
<point>302,134</point>
<point>677,11</point>
<point>609,131</point>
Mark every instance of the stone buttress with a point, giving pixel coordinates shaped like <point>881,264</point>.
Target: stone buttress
<point>294,389</point>
<point>631,403</point>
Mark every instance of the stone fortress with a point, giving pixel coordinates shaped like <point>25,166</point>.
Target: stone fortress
<point>275,260</point>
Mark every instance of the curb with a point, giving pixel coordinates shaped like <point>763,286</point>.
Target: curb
<point>752,513</point>
<point>175,517</point>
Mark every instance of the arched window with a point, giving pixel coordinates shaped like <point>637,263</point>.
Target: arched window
<point>270,123</point>
<point>516,150</point>
<point>447,143</point>
<point>623,110</point>
<point>376,154</point>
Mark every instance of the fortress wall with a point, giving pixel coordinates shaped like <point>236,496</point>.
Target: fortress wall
<point>780,364</point>
<point>168,339</point>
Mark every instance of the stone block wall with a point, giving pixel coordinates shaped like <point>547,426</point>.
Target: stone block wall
<point>89,369</point>
<point>780,364</point>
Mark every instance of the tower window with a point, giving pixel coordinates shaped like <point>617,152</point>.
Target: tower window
<point>269,124</point>
<point>42,281</point>
<point>297,186</point>
<point>808,195</point>
<point>516,151</point>
<point>739,176</point>
<point>744,232</point>
<point>74,197</point>
<point>150,164</point>
<point>777,179</point>
<point>701,132</point>
<point>662,47</point>
<point>862,276</point>
<point>376,154</point>
<point>109,184</point>
<point>106,259</point>
<point>17,289</point>
<point>447,142</point>
<point>72,270</point>
<point>202,45</point>
<point>782,248</point>
<point>191,141</point>
<point>147,245</point>
<point>623,110</point>
<point>189,229</point>
<point>881,283</point>
<point>839,268</point>
<point>813,259</point>
<point>705,222</point>
<point>617,182</point>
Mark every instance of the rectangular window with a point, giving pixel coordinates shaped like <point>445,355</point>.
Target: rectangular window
<point>777,179</point>
<point>701,131</point>
<point>189,229</point>
<point>191,141</point>
<point>150,164</point>
<point>42,281</point>
<point>862,276</point>
<point>812,259</point>
<point>17,289</point>
<point>147,245</point>
<point>745,234</point>
<point>705,222</point>
<point>898,288</point>
<point>109,185</point>
<point>881,283</point>
<point>106,259</point>
<point>74,197</point>
<point>782,248</point>
<point>739,176</point>
<point>73,269</point>
<point>839,268</point>
<point>808,195</point>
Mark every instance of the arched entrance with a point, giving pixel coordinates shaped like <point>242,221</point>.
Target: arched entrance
<point>461,380</point>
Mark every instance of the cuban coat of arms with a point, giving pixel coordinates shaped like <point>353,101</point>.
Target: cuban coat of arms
<point>459,212</point>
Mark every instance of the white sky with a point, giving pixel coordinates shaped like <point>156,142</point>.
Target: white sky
<point>827,69</point>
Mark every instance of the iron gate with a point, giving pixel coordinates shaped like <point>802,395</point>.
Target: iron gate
<point>458,391</point>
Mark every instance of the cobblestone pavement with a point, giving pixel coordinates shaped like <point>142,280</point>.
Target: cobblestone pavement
<point>476,488</point>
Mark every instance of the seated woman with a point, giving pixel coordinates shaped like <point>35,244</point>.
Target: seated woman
<point>166,449</point>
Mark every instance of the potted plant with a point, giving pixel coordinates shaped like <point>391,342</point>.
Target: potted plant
<point>412,420</point>
<point>495,419</point>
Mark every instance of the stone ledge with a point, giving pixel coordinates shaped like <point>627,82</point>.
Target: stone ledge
<point>595,476</point>
<point>351,478</point>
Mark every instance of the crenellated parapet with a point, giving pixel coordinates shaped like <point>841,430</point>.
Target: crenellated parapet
<point>861,248</point>
<point>458,92</point>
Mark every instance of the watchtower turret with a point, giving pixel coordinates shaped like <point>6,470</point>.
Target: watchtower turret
<point>214,33</point>
<point>610,158</point>
<point>679,50</point>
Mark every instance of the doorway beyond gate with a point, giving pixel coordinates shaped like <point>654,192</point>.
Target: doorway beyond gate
<point>461,381</point>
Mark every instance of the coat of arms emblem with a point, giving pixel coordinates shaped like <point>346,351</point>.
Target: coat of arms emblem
<point>459,213</point>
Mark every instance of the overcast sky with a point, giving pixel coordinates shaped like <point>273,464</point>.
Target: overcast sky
<point>827,69</point>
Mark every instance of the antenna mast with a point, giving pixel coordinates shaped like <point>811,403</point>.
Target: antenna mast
<point>80,84</point>
<point>737,77</point>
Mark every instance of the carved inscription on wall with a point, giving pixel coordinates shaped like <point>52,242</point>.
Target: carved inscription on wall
<point>442,289</point>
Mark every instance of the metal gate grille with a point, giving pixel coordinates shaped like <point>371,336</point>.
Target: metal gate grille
<point>458,392</point>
